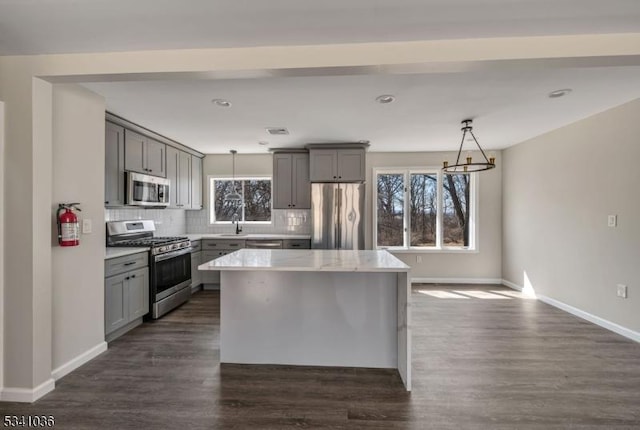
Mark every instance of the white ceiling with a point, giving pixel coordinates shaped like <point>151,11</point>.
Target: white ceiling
<point>509,105</point>
<point>63,26</point>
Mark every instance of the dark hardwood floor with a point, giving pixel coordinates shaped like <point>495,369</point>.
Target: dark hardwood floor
<point>478,363</point>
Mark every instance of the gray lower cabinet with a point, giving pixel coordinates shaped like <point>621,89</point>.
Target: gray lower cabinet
<point>296,244</point>
<point>126,294</point>
<point>214,248</point>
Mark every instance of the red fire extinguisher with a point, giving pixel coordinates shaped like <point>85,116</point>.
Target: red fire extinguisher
<point>68,226</point>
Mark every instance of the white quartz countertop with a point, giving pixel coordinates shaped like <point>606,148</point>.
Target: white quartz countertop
<point>301,260</point>
<point>113,252</point>
<point>199,236</point>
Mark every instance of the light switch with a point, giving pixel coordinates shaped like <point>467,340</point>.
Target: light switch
<point>86,226</point>
<point>612,220</point>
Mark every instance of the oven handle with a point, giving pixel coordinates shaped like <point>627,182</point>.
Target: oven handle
<point>172,254</point>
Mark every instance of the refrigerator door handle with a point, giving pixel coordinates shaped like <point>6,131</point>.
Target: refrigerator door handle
<point>339,223</point>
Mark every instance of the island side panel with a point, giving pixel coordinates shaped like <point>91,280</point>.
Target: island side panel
<point>404,328</point>
<point>309,318</point>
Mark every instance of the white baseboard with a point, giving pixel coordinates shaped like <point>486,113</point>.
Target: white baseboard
<point>512,285</point>
<point>611,326</point>
<point>26,395</point>
<point>455,281</point>
<point>74,363</point>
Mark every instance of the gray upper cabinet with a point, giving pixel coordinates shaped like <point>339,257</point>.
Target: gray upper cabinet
<point>291,186</point>
<point>337,165</point>
<point>128,147</point>
<point>196,182</point>
<point>179,173</point>
<point>114,165</point>
<point>144,155</point>
<point>184,180</point>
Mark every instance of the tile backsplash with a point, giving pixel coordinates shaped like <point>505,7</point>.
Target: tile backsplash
<point>174,222</point>
<point>292,221</point>
<point>169,222</point>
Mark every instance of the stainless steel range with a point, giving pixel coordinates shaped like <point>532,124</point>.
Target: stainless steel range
<point>169,262</point>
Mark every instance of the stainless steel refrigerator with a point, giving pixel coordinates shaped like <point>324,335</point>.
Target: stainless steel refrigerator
<point>337,212</point>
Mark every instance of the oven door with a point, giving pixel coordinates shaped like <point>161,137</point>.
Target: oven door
<point>171,273</point>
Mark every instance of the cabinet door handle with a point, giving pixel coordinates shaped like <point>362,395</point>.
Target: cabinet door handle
<point>126,278</point>
<point>339,177</point>
<point>130,263</point>
<point>334,177</point>
<point>106,203</point>
<point>133,276</point>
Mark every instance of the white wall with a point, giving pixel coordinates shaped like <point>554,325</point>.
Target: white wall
<point>558,190</point>
<point>1,246</point>
<point>78,176</point>
<point>483,265</point>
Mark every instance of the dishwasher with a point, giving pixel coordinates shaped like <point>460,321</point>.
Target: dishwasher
<point>263,244</point>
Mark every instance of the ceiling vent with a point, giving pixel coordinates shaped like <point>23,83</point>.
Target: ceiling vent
<point>277,131</point>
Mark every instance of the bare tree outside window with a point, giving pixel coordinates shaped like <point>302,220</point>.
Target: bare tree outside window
<point>390,210</point>
<point>455,210</point>
<point>256,200</point>
<point>438,211</point>
<point>424,209</point>
<point>224,209</point>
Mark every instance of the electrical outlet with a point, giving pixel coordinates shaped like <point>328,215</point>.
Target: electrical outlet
<point>612,220</point>
<point>621,291</point>
<point>86,226</point>
<point>418,258</point>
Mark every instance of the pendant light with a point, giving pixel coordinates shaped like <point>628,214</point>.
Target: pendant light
<point>233,196</point>
<point>469,166</point>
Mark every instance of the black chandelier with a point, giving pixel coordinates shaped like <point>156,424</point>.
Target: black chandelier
<point>469,166</point>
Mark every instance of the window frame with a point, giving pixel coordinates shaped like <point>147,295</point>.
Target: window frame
<point>439,246</point>
<point>212,206</point>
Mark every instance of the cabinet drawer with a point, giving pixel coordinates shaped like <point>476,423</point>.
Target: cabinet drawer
<point>222,244</point>
<point>196,246</point>
<point>117,265</point>
<point>212,255</point>
<point>296,244</point>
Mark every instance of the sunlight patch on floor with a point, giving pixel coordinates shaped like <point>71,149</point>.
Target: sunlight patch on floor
<point>483,295</point>
<point>515,294</point>
<point>442,294</point>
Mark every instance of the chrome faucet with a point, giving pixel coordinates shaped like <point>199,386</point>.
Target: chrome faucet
<point>235,219</point>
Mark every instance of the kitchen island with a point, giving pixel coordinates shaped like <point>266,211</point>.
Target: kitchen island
<point>315,307</point>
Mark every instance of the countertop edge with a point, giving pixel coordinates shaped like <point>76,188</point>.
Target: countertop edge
<point>115,252</point>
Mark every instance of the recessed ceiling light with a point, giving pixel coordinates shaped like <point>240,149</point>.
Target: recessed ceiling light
<point>559,93</point>
<point>263,143</point>
<point>385,98</point>
<point>221,102</point>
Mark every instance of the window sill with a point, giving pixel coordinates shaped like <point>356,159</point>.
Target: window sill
<point>430,251</point>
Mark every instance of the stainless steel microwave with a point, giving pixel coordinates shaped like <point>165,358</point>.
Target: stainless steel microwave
<point>146,190</point>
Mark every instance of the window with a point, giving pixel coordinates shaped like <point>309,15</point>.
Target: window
<point>256,200</point>
<point>424,209</point>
